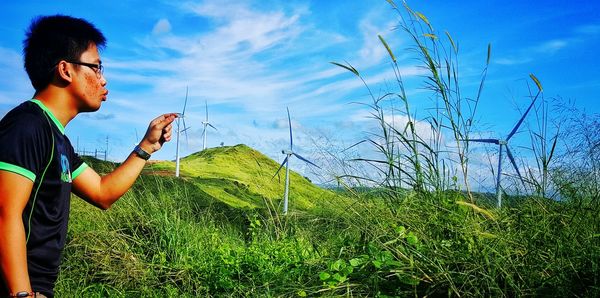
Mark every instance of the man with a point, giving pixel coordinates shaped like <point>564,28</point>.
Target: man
<point>38,166</point>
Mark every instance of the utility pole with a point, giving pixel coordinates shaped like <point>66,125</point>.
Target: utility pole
<point>106,150</point>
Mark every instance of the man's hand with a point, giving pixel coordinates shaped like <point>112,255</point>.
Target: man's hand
<point>159,131</point>
<point>104,191</point>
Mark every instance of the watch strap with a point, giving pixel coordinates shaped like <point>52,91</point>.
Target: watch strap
<point>141,153</point>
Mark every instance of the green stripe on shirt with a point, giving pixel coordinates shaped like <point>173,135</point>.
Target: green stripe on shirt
<point>18,170</point>
<point>45,109</point>
<point>79,170</point>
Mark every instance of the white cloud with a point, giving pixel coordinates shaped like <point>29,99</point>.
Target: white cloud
<point>526,55</point>
<point>512,60</point>
<point>593,29</point>
<point>373,51</point>
<point>161,27</point>
<point>246,62</point>
<point>14,82</point>
<point>550,47</point>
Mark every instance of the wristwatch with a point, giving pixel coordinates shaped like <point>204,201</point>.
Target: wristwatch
<point>22,294</point>
<point>141,153</point>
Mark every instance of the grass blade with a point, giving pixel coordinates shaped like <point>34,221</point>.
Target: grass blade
<point>537,82</point>
<point>387,47</point>
<point>348,68</point>
<point>452,42</point>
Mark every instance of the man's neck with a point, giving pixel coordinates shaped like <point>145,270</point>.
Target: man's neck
<point>58,103</point>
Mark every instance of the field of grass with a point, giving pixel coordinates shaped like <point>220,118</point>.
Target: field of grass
<point>416,230</point>
<point>168,237</point>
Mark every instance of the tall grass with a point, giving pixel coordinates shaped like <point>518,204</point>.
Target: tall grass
<point>413,158</point>
<point>529,248</point>
<point>167,239</point>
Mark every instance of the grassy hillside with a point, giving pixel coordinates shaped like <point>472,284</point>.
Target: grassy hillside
<point>243,177</point>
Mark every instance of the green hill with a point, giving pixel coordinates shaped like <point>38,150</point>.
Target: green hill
<point>242,177</point>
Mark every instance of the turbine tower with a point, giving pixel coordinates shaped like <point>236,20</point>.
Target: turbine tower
<point>503,143</point>
<point>180,120</point>
<point>205,123</point>
<point>286,162</point>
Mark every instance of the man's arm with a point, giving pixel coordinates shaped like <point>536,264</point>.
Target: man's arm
<point>104,191</point>
<point>14,193</point>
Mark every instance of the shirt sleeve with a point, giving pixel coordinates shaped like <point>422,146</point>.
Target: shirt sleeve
<point>25,147</point>
<point>77,165</point>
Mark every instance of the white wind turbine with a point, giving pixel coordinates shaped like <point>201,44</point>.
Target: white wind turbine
<point>180,120</point>
<point>504,143</point>
<point>286,162</point>
<point>205,123</point>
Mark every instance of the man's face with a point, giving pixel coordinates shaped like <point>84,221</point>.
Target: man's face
<point>91,84</point>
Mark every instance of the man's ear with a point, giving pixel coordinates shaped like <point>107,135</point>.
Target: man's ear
<point>64,71</point>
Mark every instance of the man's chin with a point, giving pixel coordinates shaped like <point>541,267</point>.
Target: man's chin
<point>89,109</point>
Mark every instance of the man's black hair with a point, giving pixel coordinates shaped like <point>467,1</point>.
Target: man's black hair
<point>51,39</point>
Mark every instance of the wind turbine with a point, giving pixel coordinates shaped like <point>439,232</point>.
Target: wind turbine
<point>286,162</point>
<point>504,143</point>
<point>206,123</point>
<point>180,119</point>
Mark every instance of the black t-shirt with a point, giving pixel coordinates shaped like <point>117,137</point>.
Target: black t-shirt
<point>33,144</point>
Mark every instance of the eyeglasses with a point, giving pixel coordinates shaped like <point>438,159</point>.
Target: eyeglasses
<point>97,68</point>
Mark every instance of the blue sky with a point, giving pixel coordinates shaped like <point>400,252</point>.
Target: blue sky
<point>251,59</point>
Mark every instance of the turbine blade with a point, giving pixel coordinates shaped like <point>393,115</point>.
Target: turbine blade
<point>184,125</point>
<point>185,128</point>
<point>212,126</point>
<point>305,160</point>
<point>522,118</point>
<point>492,141</point>
<point>204,130</point>
<point>185,102</point>
<point>290,123</point>
<point>512,160</point>
<point>281,166</point>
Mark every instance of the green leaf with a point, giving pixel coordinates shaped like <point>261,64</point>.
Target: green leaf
<point>302,293</point>
<point>355,262</point>
<point>348,270</point>
<point>401,230</point>
<point>408,279</point>
<point>412,239</point>
<point>340,278</point>
<point>324,276</point>
<point>338,265</point>
<point>377,264</point>
<point>432,36</point>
